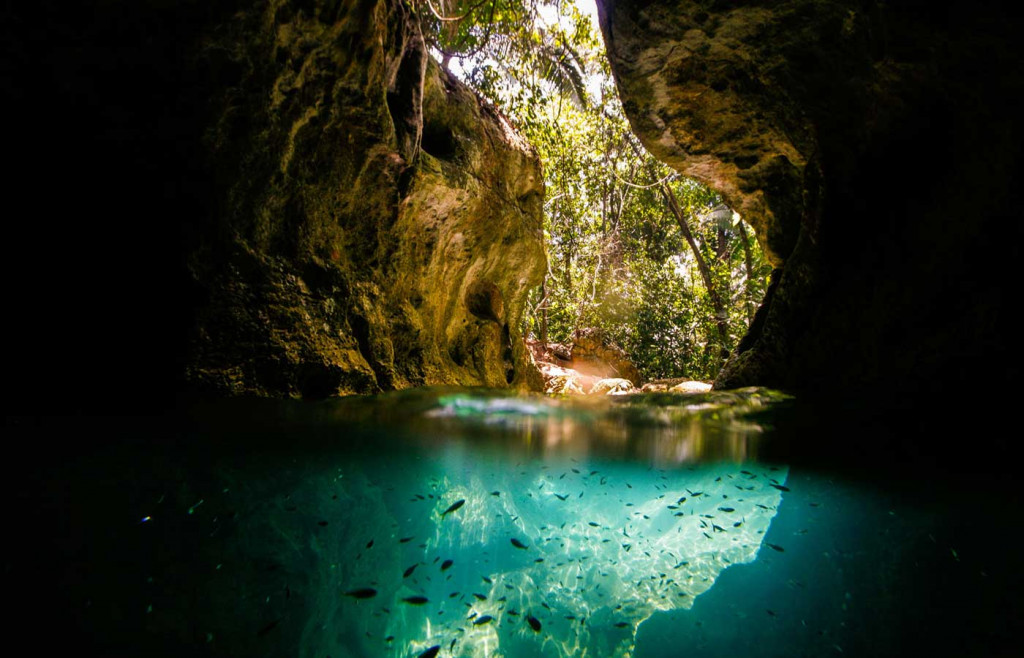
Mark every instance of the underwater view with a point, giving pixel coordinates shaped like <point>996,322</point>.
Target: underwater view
<point>475,524</point>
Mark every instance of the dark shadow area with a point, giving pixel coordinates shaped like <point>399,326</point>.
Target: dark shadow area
<point>110,192</point>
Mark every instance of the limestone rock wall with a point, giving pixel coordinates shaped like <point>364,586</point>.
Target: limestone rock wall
<point>876,149</point>
<point>368,199</point>
<point>270,197</point>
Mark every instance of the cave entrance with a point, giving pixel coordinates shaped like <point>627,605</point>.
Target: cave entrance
<point>659,288</point>
<point>650,275</point>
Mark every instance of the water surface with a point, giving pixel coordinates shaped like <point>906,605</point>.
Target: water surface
<point>495,525</point>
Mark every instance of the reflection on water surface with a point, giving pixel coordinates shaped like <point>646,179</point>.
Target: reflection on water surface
<point>664,429</point>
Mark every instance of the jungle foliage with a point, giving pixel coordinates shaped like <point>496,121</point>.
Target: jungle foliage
<point>653,259</point>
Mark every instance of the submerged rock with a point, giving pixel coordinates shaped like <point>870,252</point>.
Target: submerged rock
<point>875,149</point>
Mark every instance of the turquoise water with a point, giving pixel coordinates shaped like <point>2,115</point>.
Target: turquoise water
<point>482,524</point>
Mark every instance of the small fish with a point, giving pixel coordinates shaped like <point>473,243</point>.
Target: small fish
<point>408,572</point>
<point>487,580</point>
<point>775,547</point>
<point>446,565</point>
<point>779,487</point>
<point>480,621</point>
<point>322,524</point>
<point>518,544</point>
<point>622,624</point>
<point>369,544</point>
<point>454,506</point>
<point>452,645</point>
<point>495,493</point>
<point>594,525</point>
<point>416,600</point>
<point>404,540</point>
<point>534,623</point>
<point>453,595</point>
<point>389,638</point>
<point>726,509</point>
<point>266,629</point>
<point>431,652</point>
<point>480,597</point>
<point>363,593</point>
<point>561,497</point>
